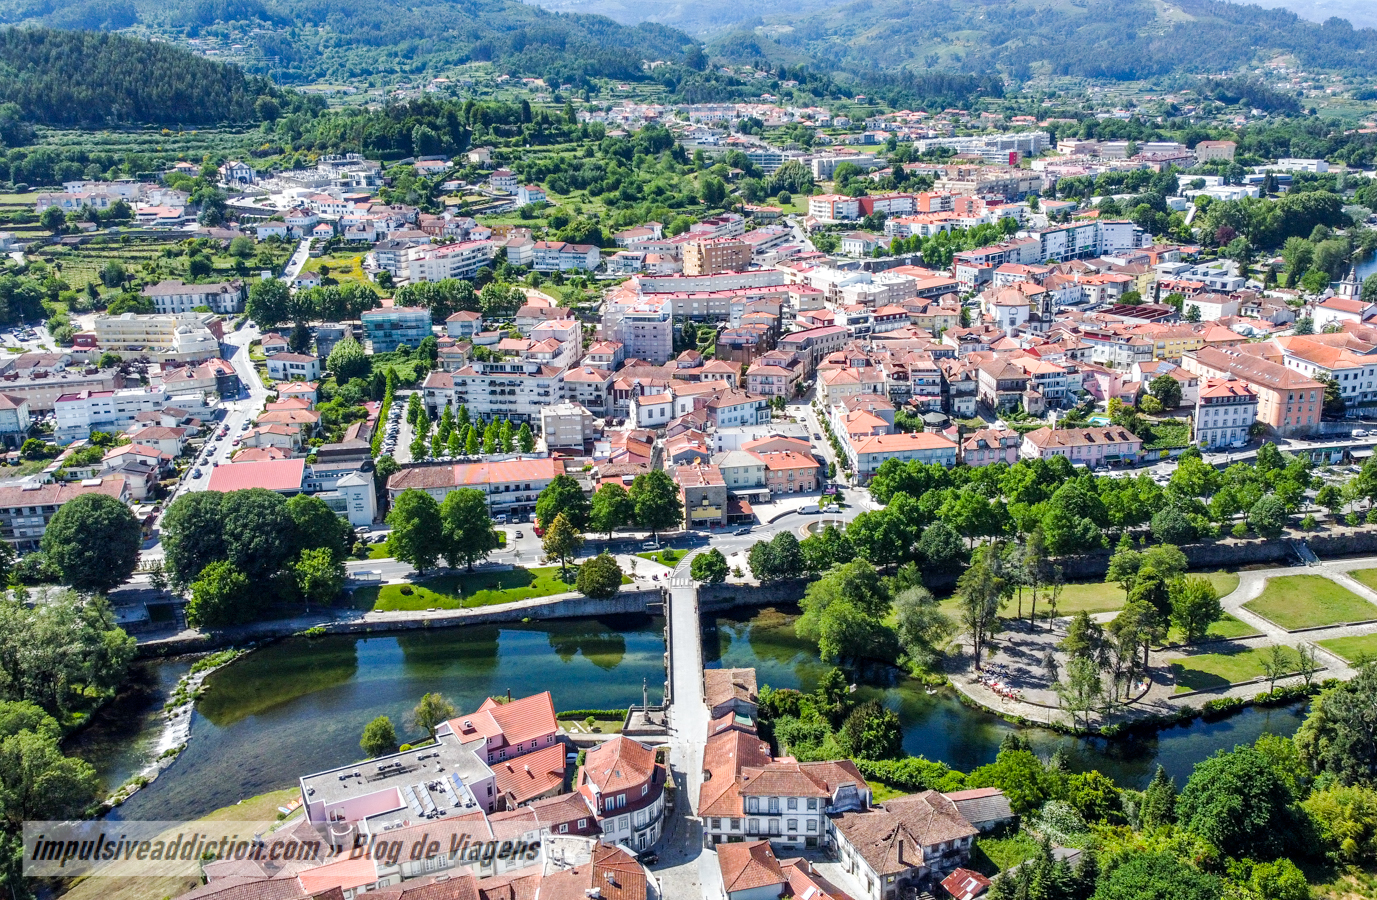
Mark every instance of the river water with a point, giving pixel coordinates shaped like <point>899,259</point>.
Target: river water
<point>299,705</point>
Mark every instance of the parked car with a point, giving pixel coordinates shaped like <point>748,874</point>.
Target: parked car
<point>746,530</point>
<point>196,473</point>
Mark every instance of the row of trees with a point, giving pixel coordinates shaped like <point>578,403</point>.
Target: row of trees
<point>652,504</point>
<point>458,434</point>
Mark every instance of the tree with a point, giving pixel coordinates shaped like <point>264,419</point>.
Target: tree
<point>1167,390</point>
<point>524,439</point>
<point>562,540</point>
<point>1276,663</point>
<point>1268,517</point>
<point>94,541</point>
<point>53,219</point>
<point>1020,774</point>
<point>845,610</point>
<point>1081,691</point>
<point>1340,734</point>
<point>872,732</point>
<point>761,561</point>
<point>920,625</point>
<point>192,536</point>
<point>709,567</point>
<point>38,782</point>
<point>1194,606</point>
<point>1171,526</point>
<point>258,530</point>
<point>1131,634</point>
<point>269,303</point>
<point>1157,876</point>
<point>220,597</point>
<point>319,576</point>
<point>431,712</point>
<point>347,361</point>
<point>379,738</point>
<point>599,577</point>
<point>317,527</point>
<point>468,532</point>
<point>1159,800</point>
<point>1307,662</point>
<point>656,497</point>
<point>940,549</point>
<point>1238,802</point>
<point>562,495</point>
<point>612,508</point>
<point>417,529</point>
<point>981,593</point>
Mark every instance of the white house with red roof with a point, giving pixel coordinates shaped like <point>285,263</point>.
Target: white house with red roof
<point>625,788</point>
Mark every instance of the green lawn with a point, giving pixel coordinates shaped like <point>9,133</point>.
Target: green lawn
<point>600,726</point>
<point>467,591</point>
<point>1365,577</point>
<point>1353,649</point>
<point>1216,671</point>
<point>1226,628</point>
<point>1089,596</point>
<point>666,557</point>
<point>1304,601</point>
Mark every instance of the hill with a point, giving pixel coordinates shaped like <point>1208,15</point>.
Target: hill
<point>92,79</point>
<point>301,40</point>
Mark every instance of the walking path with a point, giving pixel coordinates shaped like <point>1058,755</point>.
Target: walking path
<point>1022,659</point>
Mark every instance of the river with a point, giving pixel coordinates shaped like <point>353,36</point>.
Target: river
<point>299,705</point>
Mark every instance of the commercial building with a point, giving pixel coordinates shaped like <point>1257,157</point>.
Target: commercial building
<point>169,297</point>
<point>869,453</point>
<point>79,413</point>
<point>180,337</point>
<point>511,486</point>
<point>388,329</point>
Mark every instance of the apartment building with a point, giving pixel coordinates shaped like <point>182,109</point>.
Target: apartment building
<point>566,426</point>
<point>387,329</point>
<point>869,453</point>
<point>834,208</point>
<point>1224,412</point>
<point>713,256</point>
<point>172,296</point>
<point>512,389</point>
<point>25,511</point>
<point>511,486</point>
<point>643,326</point>
<point>461,260</point>
<point>562,256</point>
<point>293,367</point>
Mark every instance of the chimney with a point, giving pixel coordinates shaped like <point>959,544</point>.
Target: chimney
<point>901,851</point>
<point>509,695</point>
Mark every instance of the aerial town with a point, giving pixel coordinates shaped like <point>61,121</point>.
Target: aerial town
<point>698,474</point>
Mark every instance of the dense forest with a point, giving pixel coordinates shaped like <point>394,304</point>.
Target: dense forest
<point>93,79</point>
<point>1116,39</point>
<point>309,39</point>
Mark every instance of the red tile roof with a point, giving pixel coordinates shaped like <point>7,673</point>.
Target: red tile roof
<point>531,775</point>
<point>748,866</point>
<point>273,474</point>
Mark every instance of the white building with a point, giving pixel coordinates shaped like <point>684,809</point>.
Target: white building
<point>173,296</point>
<point>79,413</point>
<point>513,389</point>
<point>561,256</point>
<point>461,260</point>
<point>1226,410</point>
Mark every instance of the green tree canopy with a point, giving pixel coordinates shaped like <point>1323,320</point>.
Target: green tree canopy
<point>94,541</point>
<point>562,495</point>
<point>417,529</point>
<point>599,577</point>
<point>468,532</point>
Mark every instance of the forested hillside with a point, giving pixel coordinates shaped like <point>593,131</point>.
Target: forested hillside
<point>1118,39</point>
<point>309,39</point>
<point>94,79</point>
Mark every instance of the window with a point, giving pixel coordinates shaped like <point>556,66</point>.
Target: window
<point>812,824</point>
<point>753,826</point>
<point>583,823</point>
<point>812,803</point>
<point>564,827</point>
<point>793,803</point>
<point>793,826</point>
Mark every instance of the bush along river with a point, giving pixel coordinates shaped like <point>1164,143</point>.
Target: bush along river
<point>299,705</point>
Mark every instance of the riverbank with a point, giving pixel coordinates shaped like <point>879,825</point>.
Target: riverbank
<point>343,621</point>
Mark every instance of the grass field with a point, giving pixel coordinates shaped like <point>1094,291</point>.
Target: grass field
<point>1091,597</point>
<point>1353,649</point>
<point>666,557</point>
<point>1226,628</point>
<point>1365,577</point>
<point>1216,671</point>
<point>1304,601</point>
<point>600,726</point>
<point>343,267</point>
<point>467,591</point>
<point>261,809</point>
